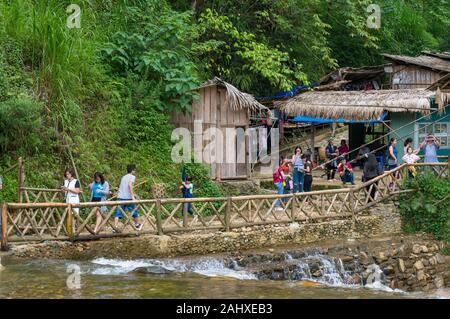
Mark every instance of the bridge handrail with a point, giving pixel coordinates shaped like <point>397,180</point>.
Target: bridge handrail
<point>63,221</point>
<point>216,199</point>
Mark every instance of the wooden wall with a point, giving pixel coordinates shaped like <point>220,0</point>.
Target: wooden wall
<point>213,110</point>
<point>414,77</point>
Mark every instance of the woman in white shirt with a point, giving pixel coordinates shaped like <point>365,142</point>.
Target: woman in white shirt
<point>71,189</point>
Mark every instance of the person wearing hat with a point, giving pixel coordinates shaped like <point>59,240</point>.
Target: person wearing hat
<point>331,152</point>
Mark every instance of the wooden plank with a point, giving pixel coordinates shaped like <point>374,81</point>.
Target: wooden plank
<point>223,109</point>
<point>4,229</point>
<point>213,105</point>
<point>207,106</point>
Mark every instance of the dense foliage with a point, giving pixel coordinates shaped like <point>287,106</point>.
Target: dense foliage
<point>428,210</point>
<point>101,94</point>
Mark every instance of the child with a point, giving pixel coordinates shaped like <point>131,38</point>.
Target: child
<point>187,188</point>
<point>411,157</point>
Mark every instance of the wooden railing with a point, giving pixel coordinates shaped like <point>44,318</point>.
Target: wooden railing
<point>61,221</point>
<point>49,195</point>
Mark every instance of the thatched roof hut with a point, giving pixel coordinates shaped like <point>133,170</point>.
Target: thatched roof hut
<point>223,107</point>
<point>236,99</point>
<point>357,105</point>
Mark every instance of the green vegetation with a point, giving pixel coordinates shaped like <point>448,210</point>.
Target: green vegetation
<point>102,93</point>
<point>428,210</point>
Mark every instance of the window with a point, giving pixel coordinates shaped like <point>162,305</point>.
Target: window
<point>440,130</point>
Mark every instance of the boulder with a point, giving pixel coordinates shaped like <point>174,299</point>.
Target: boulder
<point>381,257</point>
<point>440,259</point>
<point>421,275</point>
<point>418,265</point>
<point>416,249</point>
<point>401,265</point>
<point>389,270</point>
<point>158,270</point>
<point>432,261</point>
<point>439,282</point>
<point>347,259</point>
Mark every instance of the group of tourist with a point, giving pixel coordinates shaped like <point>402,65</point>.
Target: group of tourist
<point>429,145</point>
<point>338,161</point>
<point>99,190</point>
<point>301,179</point>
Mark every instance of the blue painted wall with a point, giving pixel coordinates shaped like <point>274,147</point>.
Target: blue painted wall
<point>412,130</point>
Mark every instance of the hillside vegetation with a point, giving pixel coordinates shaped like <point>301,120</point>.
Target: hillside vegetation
<point>100,94</point>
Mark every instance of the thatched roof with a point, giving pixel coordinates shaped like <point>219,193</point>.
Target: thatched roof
<point>356,105</point>
<point>235,98</point>
<point>429,61</point>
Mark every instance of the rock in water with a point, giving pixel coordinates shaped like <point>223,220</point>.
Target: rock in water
<point>158,270</point>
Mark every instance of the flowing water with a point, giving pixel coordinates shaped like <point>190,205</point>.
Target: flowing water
<point>206,277</point>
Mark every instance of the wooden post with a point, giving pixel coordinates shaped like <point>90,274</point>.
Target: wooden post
<point>185,210</point>
<point>448,166</point>
<point>352,208</point>
<point>4,218</point>
<point>228,214</point>
<point>69,221</point>
<point>313,133</point>
<point>293,207</point>
<point>20,179</point>
<point>158,217</point>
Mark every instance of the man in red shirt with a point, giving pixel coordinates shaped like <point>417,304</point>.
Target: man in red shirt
<point>345,170</point>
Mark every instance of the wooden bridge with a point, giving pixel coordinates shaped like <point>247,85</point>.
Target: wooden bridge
<point>41,218</point>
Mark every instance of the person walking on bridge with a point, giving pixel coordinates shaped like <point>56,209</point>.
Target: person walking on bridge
<point>71,189</point>
<point>126,193</point>
<point>99,190</point>
<point>371,170</point>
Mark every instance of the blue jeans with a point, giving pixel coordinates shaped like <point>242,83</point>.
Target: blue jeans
<point>298,181</point>
<point>280,191</point>
<point>126,208</point>
<point>189,205</point>
<point>348,177</point>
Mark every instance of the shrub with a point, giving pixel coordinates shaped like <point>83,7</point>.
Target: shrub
<point>20,125</point>
<point>428,210</point>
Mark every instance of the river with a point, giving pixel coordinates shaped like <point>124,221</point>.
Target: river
<point>206,277</point>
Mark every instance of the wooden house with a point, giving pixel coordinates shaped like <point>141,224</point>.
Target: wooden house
<point>428,71</point>
<point>408,72</point>
<point>221,106</point>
